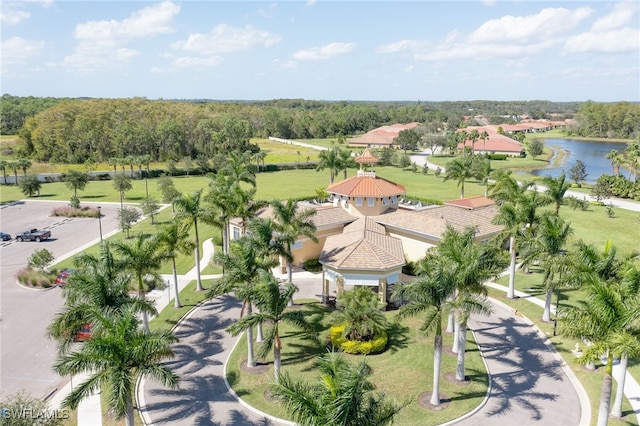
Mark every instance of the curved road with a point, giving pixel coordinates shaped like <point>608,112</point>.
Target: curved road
<point>530,384</point>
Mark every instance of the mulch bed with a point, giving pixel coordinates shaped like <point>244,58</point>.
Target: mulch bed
<point>425,398</point>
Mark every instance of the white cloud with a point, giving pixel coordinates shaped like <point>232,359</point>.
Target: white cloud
<point>622,14</point>
<point>402,46</point>
<point>226,39</point>
<point>324,52</point>
<point>548,23</point>
<point>624,40</point>
<point>102,44</point>
<point>310,2</point>
<point>17,50</point>
<point>12,16</point>
<point>285,64</point>
<point>268,12</point>
<point>195,62</point>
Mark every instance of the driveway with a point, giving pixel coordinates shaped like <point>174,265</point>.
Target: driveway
<point>27,355</point>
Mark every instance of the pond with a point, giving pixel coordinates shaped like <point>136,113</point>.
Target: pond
<point>567,151</point>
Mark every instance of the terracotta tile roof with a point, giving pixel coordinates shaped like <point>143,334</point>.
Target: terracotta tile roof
<point>366,157</point>
<point>326,216</point>
<point>362,245</point>
<point>366,186</point>
<point>495,142</point>
<point>383,135</point>
<point>433,221</point>
<point>471,202</point>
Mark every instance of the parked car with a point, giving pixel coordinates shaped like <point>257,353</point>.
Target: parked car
<point>5,237</point>
<point>33,234</point>
<point>84,334</point>
<point>63,276</point>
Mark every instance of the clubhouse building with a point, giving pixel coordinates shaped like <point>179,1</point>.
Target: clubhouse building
<point>367,231</point>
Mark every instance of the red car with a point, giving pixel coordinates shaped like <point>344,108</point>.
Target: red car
<point>62,278</point>
<point>84,334</point>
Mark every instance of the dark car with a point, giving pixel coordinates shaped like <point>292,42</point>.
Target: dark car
<point>63,276</point>
<point>5,237</point>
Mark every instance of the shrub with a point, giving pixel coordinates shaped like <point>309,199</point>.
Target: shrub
<point>373,346</point>
<point>35,278</point>
<point>75,212</point>
<point>498,157</point>
<point>312,265</point>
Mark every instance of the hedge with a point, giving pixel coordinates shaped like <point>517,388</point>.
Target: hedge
<point>373,346</point>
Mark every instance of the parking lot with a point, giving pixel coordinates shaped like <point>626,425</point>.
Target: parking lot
<point>27,355</point>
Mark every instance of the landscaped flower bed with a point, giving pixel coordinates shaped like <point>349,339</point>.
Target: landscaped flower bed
<point>369,347</point>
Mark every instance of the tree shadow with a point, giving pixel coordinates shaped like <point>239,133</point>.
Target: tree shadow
<point>398,336</point>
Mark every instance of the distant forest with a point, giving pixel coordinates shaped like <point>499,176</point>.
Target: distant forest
<point>67,130</point>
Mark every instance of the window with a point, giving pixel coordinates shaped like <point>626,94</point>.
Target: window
<point>296,245</point>
<point>358,201</point>
<point>236,233</point>
<point>371,202</point>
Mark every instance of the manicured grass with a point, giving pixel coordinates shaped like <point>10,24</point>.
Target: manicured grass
<point>511,163</point>
<point>591,380</point>
<point>278,152</point>
<point>403,372</point>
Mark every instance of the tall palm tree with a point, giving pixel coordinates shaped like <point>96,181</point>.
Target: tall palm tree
<point>429,295</point>
<point>292,223</point>
<point>190,211</point>
<point>4,165</point>
<point>98,283</point>
<point>345,160</point>
<point>472,265</point>
<point>607,319</point>
<point>242,267</point>
<point>547,249</point>
<point>343,396</point>
<point>616,159</point>
<point>556,188</point>
<point>116,356</point>
<point>173,239</point>
<point>460,169</point>
<point>272,302</point>
<point>328,159</point>
<point>142,258</point>
<point>122,184</point>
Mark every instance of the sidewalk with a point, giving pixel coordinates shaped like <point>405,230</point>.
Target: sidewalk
<point>631,386</point>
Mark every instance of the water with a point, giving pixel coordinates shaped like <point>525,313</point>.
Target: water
<point>592,154</point>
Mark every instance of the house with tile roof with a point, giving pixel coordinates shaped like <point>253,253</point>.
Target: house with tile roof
<point>381,137</point>
<point>365,233</point>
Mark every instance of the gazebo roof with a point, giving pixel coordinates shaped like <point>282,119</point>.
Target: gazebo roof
<point>366,157</point>
<point>366,185</point>
<point>363,244</point>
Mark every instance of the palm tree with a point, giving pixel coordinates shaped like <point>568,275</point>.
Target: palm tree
<point>616,159</point>
<point>472,265</point>
<point>76,180</point>
<point>272,302</point>
<point>242,267</point>
<point>142,258</point>
<point>290,225</point>
<point>4,165</point>
<point>190,212</point>
<point>556,188</point>
<point>114,161</point>
<point>173,239</point>
<point>428,294</point>
<point>460,169</point>
<point>606,319</point>
<point>547,250</point>
<point>116,356</point>
<point>360,310</point>
<point>345,160</point>
<point>99,284</point>
<point>122,184</point>
<point>342,397</point>
<point>328,159</point>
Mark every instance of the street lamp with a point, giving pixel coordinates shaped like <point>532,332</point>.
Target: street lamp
<point>100,221</point>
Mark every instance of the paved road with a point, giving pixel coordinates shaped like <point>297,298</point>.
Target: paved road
<point>26,353</point>
<point>530,384</point>
<point>203,398</point>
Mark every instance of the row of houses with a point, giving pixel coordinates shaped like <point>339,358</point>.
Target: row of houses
<point>498,138</point>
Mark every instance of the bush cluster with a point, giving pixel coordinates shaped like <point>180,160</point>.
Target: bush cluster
<point>312,265</point>
<point>36,278</point>
<point>373,346</point>
<point>75,212</point>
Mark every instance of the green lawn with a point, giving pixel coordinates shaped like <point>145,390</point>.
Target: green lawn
<point>403,372</point>
<point>278,152</point>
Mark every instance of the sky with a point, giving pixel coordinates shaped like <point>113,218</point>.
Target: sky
<point>561,51</point>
